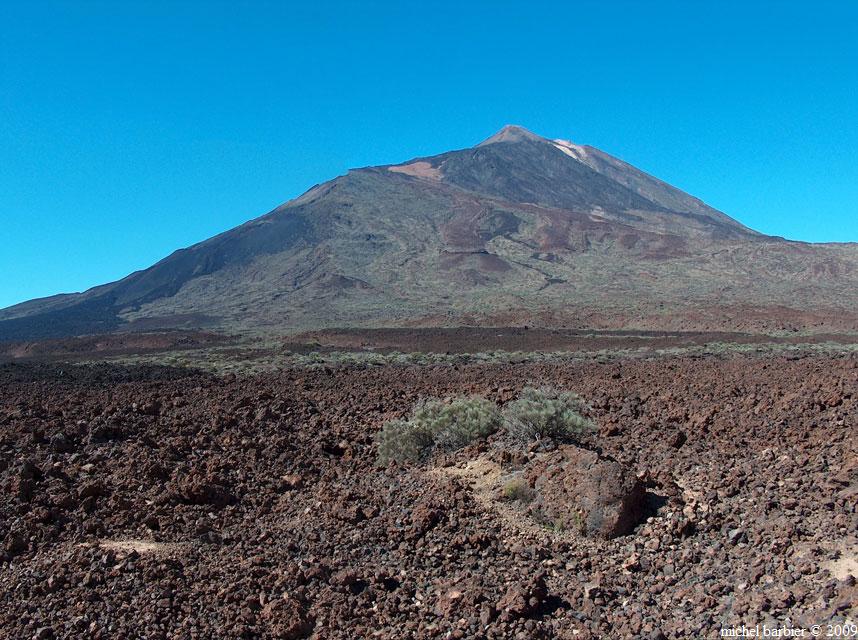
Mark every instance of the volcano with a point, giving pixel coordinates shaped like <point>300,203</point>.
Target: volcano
<point>518,230</point>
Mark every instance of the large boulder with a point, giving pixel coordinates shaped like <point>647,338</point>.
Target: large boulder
<point>577,490</point>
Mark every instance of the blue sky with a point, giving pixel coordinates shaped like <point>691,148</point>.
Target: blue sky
<point>130,129</point>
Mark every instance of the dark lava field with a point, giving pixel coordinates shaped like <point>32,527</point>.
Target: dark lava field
<point>148,502</point>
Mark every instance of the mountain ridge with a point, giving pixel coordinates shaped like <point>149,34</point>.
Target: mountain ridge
<point>518,227</point>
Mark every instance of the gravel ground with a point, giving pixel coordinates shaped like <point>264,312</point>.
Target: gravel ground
<point>158,503</point>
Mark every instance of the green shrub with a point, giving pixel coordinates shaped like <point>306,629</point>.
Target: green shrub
<point>403,441</point>
<point>459,422</point>
<point>434,424</point>
<point>545,412</point>
<point>517,490</point>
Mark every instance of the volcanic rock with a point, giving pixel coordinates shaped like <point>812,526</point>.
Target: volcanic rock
<point>522,598</point>
<point>286,618</point>
<point>581,491</point>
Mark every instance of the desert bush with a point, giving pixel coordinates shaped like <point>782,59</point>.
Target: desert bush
<point>517,490</point>
<point>403,441</point>
<point>545,412</point>
<point>434,424</point>
<point>459,422</point>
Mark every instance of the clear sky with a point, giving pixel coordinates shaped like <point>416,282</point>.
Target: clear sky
<point>130,129</point>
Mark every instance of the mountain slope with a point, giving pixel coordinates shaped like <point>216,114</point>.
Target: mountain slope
<point>519,229</point>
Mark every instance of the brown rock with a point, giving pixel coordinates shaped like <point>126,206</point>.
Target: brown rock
<point>423,518</point>
<point>203,491</point>
<point>582,491</point>
<point>292,481</point>
<point>449,602</point>
<point>16,543</point>
<point>91,490</point>
<point>522,599</point>
<point>22,489</point>
<point>487,614</point>
<point>286,618</point>
<point>459,599</point>
<point>677,439</point>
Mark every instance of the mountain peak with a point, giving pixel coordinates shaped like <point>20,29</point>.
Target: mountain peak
<point>512,133</point>
<point>514,228</point>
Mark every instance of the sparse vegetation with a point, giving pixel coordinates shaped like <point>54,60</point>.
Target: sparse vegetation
<point>578,522</point>
<point>517,490</point>
<point>555,525</point>
<point>545,412</point>
<point>435,424</point>
<point>403,441</point>
<point>538,413</point>
<point>263,357</point>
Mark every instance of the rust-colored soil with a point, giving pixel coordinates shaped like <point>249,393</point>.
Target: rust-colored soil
<point>476,339</point>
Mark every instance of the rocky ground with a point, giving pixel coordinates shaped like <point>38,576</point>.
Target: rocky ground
<point>524,339</point>
<point>158,503</point>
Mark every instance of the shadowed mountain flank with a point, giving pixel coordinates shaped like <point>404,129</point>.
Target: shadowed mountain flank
<point>519,229</point>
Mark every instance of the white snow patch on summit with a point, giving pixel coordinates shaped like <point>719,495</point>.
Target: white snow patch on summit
<point>570,148</point>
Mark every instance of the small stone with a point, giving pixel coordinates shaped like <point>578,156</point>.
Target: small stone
<point>677,439</point>
<point>15,544</point>
<point>60,444</point>
<point>292,481</point>
<point>632,563</point>
<point>652,544</point>
<point>91,490</point>
<point>448,603</point>
<point>735,536</point>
